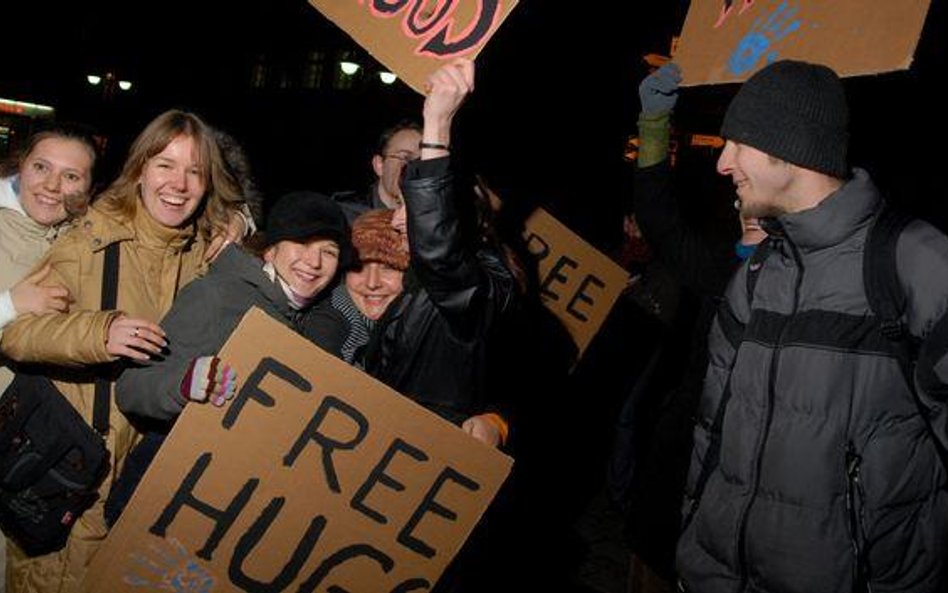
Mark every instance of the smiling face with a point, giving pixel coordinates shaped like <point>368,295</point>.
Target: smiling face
<point>373,287</point>
<point>762,181</point>
<point>54,169</point>
<point>173,183</point>
<point>305,267</point>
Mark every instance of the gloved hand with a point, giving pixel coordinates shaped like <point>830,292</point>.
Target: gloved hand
<point>209,378</point>
<point>659,91</point>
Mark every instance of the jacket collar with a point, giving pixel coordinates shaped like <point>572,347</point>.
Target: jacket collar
<point>153,234</point>
<point>9,196</point>
<point>103,228</point>
<point>234,261</point>
<point>832,220</point>
<point>10,200</point>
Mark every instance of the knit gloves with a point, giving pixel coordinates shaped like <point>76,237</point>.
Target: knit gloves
<point>209,379</point>
<point>658,92</point>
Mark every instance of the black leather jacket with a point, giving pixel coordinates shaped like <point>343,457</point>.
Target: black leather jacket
<point>431,343</point>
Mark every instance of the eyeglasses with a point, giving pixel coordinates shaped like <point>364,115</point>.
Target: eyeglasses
<point>404,157</point>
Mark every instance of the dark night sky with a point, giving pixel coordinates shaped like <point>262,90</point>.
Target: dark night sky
<point>555,97</point>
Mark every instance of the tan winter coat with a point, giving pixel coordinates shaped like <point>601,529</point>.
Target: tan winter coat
<point>22,243</point>
<point>155,262</point>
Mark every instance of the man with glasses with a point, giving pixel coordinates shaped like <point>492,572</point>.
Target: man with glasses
<point>397,146</point>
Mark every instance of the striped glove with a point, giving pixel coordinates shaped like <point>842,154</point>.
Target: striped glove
<point>209,379</point>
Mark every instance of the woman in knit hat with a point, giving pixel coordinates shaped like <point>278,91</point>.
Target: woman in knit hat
<point>371,285</point>
<point>306,241</point>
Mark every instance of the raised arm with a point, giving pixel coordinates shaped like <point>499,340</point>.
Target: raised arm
<point>686,252</point>
<point>459,279</point>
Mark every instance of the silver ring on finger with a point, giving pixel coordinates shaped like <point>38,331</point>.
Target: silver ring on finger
<point>135,332</point>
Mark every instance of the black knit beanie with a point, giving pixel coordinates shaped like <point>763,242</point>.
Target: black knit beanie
<point>794,111</point>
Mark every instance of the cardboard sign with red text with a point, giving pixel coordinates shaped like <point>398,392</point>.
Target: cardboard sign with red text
<point>415,37</point>
<point>577,283</point>
<point>729,40</point>
<point>314,476</point>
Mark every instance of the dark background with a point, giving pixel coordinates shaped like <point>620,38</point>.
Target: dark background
<point>555,100</point>
<point>555,103</point>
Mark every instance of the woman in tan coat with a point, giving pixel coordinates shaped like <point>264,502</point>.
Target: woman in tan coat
<point>41,188</point>
<point>172,196</point>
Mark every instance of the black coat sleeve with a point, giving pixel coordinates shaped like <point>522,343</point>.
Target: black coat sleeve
<point>467,283</point>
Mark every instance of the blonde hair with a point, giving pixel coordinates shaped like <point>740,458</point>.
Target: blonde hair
<point>222,196</point>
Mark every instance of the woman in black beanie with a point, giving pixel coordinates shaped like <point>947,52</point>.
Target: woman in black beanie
<point>306,242</point>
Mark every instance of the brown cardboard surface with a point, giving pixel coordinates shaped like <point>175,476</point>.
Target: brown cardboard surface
<point>314,475</point>
<point>414,37</point>
<point>729,40</point>
<point>577,283</point>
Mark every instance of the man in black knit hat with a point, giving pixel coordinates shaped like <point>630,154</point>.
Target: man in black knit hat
<point>817,461</point>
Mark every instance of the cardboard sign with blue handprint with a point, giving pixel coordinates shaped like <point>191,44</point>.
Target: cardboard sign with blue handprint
<point>729,40</point>
<point>314,477</point>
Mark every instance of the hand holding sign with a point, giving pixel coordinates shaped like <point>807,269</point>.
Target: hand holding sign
<point>209,379</point>
<point>489,429</point>
<point>658,92</point>
<point>447,89</point>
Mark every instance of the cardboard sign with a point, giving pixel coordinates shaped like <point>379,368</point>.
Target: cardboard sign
<point>315,476</point>
<point>577,283</point>
<point>729,40</point>
<point>414,37</point>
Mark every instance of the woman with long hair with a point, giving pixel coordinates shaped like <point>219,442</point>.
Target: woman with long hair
<point>172,196</point>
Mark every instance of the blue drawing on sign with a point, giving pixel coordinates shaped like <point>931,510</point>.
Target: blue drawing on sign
<point>169,567</point>
<point>760,39</point>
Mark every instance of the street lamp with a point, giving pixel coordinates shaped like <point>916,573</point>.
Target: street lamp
<point>109,83</point>
<point>348,67</point>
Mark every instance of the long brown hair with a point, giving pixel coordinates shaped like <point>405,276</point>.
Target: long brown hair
<point>221,197</point>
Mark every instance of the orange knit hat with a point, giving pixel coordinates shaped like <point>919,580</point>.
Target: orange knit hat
<point>375,240</point>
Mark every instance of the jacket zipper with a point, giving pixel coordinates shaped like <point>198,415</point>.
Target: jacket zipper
<point>762,442</point>
<point>855,505</point>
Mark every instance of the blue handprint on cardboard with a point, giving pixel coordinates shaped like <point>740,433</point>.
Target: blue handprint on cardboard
<point>759,41</point>
<point>170,567</point>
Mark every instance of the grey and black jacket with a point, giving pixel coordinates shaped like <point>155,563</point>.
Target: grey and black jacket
<point>201,319</point>
<point>828,475</point>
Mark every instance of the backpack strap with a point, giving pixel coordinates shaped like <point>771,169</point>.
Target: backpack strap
<point>880,272</point>
<point>888,302</point>
<point>103,386</point>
